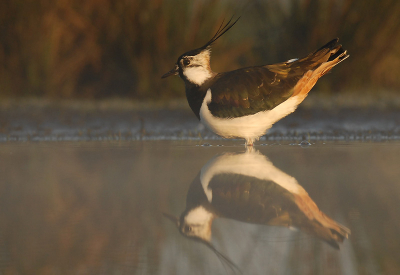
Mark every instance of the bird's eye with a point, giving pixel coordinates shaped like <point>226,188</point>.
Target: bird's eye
<point>186,62</point>
<point>188,228</point>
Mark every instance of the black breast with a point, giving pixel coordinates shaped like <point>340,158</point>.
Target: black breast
<point>195,95</point>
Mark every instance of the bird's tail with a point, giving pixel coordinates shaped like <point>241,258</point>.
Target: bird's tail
<point>333,52</point>
<point>317,64</point>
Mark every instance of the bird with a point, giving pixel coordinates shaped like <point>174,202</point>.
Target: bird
<point>246,102</point>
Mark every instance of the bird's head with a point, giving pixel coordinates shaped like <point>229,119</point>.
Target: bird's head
<point>194,66</point>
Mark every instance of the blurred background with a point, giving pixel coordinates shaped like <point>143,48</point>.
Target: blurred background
<point>119,49</point>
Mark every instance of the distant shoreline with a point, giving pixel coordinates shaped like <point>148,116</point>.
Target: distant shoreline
<point>316,99</point>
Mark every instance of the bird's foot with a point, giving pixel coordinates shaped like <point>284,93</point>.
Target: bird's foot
<point>249,143</point>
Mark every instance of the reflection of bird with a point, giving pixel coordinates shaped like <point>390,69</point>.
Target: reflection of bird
<point>247,187</point>
<point>246,102</point>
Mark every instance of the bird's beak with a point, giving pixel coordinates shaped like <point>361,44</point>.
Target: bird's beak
<point>174,71</point>
<point>174,219</point>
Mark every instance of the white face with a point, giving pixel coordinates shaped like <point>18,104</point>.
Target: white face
<point>197,69</point>
<point>197,223</point>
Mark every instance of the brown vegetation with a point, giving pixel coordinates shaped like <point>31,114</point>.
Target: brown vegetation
<point>95,49</point>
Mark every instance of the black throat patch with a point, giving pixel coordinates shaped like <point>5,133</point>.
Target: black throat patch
<point>195,95</point>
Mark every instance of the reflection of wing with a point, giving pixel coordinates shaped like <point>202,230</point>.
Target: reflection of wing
<point>252,164</point>
<point>252,200</point>
<point>247,187</point>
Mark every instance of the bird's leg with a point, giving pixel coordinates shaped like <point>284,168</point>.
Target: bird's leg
<point>249,142</point>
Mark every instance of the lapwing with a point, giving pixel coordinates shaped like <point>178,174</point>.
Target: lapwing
<point>247,187</point>
<point>245,103</point>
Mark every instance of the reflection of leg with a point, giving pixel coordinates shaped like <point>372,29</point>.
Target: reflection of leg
<point>249,142</point>
<point>250,148</point>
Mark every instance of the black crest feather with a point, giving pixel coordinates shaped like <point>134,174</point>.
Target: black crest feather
<point>221,30</point>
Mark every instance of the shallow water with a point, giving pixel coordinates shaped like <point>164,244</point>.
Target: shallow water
<point>33,122</point>
<point>108,208</point>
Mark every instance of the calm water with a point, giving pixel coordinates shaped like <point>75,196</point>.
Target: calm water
<point>159,207</point>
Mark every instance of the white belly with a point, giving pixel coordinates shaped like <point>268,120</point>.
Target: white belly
<point>249,127</point>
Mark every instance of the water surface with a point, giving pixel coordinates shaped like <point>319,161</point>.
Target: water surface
<point>108,208</point>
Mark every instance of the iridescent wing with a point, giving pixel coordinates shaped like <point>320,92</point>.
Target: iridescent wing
<point>251,90</point>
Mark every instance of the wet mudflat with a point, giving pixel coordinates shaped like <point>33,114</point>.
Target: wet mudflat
<point>316,119</point>
<point>111,207</point>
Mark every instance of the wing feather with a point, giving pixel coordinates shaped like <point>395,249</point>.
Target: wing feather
<point>250,90</point>
<point>254,89</point>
